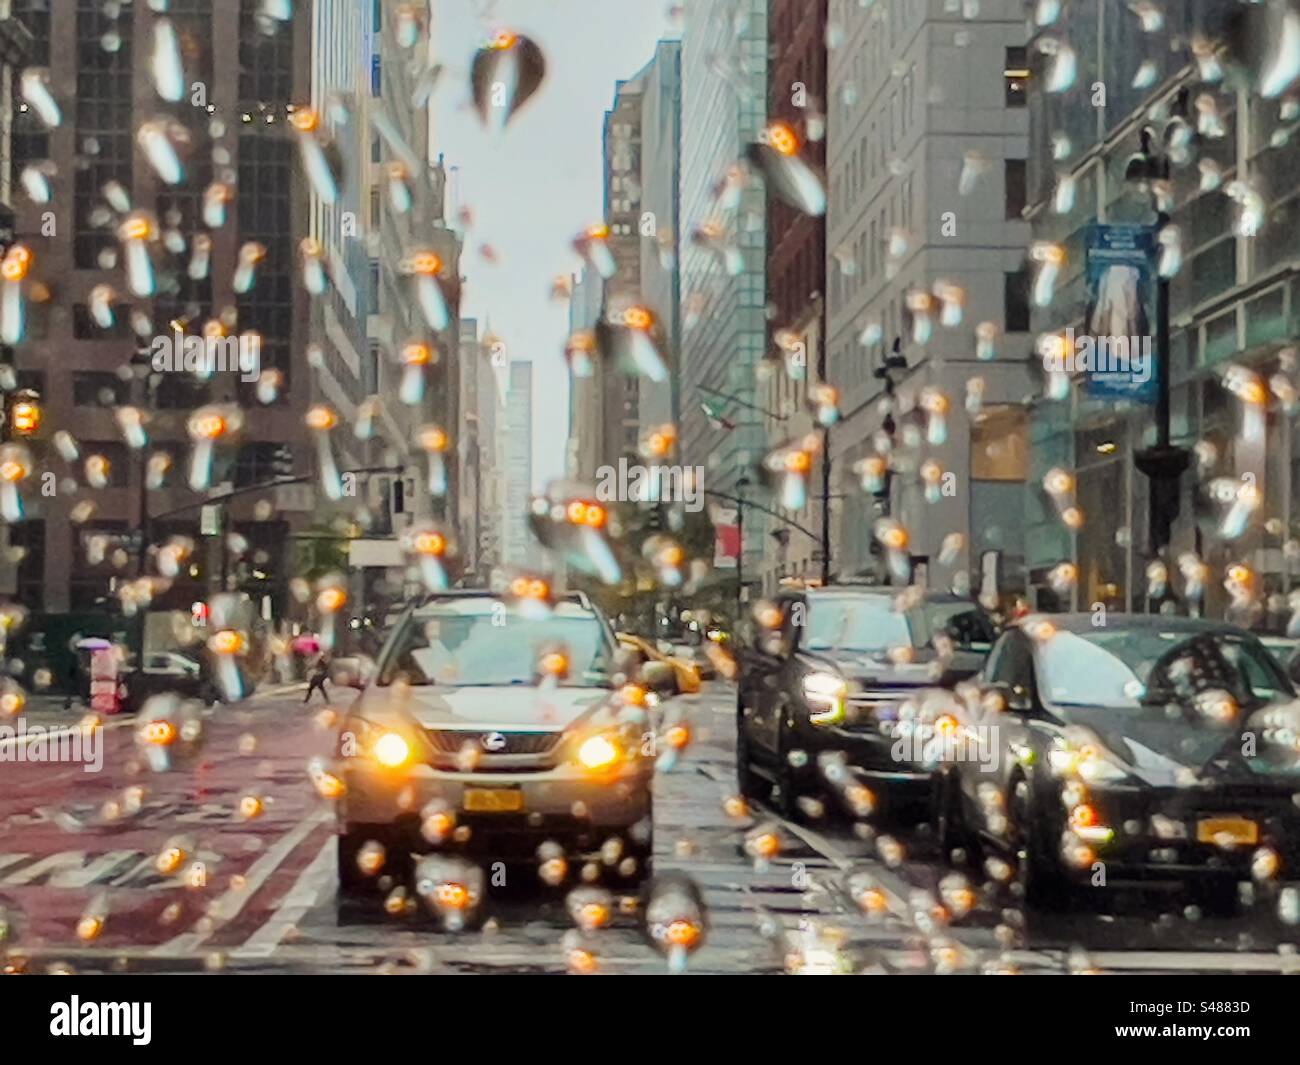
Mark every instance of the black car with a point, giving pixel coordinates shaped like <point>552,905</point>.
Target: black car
<point>840,674</point>
<point>175,672</point>
<point>1149,748</point>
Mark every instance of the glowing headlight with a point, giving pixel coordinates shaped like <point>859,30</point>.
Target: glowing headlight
<point>391,750</point>
<point>1099,770</point>
<point>825,690</point>
<point>1088,763</point>
<point>598,752</point>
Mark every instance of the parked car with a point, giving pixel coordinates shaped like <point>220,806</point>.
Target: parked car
<point>686,673</point>
<point>834,678</point>
<point>453,729</point>
<point>1160,747</point>
<point>166,672</point>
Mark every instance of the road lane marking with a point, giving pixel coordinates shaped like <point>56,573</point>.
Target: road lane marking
<point>98,868</point>
<point>58,860</point>
<point>302,898</point>
<point>8,860</point>
<point>49,735</point>
<point>234,899</point>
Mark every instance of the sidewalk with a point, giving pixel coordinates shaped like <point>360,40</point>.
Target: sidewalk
<point>48,710</point>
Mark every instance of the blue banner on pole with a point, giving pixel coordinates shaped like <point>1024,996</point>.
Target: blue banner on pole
<point>1116,350</point>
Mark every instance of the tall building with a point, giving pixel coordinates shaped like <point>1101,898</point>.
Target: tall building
<point>927,139</point>
<point>517,547</point>
<point>489,416</point>
<point>406,206</point>
<point>610,410</point>
<point>341,72</point>
<point>620,390</point>
<point>660,181</point>
<point>235,115</point>
<point>586,408</point>
<point>724,322</point>
<point>1233,300</point>
<point>796,274</point>
<point>481,415</point>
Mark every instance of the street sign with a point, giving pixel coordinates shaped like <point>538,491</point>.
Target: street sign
<point>210,520</point>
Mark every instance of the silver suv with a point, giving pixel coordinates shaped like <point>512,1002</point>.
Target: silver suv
<point>492,731</point>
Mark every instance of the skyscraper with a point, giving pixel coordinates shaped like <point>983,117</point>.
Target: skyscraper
<point>927,137</point>
<point>239,154</point>
<point>517,547</point>
<point>724,323</point>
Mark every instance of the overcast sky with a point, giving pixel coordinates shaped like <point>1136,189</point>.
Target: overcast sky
<point>533,188</point>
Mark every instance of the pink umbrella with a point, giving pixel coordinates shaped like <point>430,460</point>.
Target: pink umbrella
<point>306,644</point>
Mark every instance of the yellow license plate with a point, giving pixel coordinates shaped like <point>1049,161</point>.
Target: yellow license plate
<point>494,800</point>
<point>1227,830</point>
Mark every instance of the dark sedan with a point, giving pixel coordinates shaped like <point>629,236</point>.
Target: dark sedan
<point>1149,748</point>
<point>855,673</point>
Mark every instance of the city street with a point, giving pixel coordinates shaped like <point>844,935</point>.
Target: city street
<point>266,900</point>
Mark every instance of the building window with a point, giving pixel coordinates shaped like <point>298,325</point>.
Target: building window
<point>1016,301</point>
<point>116,455</point>
<point>259,461</point>
<point>1015,187</point>
<point>84,327</point>
<point>97,388</point>
<point>27,543</point>
<point>181,392</point>
<point>103,130</point>
<point>1015,71</point>
<point>266,168</point>
<point>265,63</point>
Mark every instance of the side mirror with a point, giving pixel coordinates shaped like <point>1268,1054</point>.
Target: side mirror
<point>659,677</point>
<point>352,672</point>
<point>1014,697</point>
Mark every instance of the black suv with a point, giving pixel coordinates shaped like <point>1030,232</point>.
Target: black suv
<point>834,677</point>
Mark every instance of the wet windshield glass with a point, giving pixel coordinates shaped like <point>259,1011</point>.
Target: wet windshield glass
<point>1118,668</point>
<point>444,646</point>
<point>868,624</point>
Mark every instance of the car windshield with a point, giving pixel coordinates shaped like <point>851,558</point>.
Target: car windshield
<point>967,625</point>
<point>863,623</point>
<point>488,643</point>
<point>1115,668</point>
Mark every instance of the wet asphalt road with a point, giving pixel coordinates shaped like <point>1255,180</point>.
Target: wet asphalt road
<point>258,895</point>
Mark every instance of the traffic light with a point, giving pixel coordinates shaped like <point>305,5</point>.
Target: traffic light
<point>22,414</point>
<point>282,461</point>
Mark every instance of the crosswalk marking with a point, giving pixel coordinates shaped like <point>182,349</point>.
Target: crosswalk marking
<point>232,902</point>
<point>7,860</point>
<point>39,868</point>
<point>315,883</point>
<point>99,868</point>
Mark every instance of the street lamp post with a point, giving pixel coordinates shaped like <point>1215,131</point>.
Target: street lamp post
<point>884,373</point>
<point>741,485</point>
<point>1163,463</point>
<point>142,370</point>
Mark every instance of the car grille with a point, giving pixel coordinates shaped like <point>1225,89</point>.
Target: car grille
<point>453,741</point>
<point>863,708</point>
<point>874,698</point>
